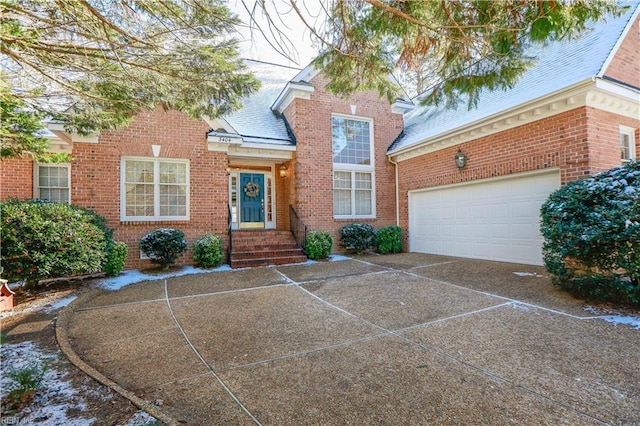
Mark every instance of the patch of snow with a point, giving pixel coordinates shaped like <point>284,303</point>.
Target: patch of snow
<point>630,320</point>
<point>337,257</point>
<point>633,321</point>
<point>55,396</point>
<point>140,418</point>
<point>60,303</point>
<point>527,274</point>
<point>135,276</point>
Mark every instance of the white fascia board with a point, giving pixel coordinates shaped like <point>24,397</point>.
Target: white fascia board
<point>258,145</point>
<point>219,123</point>
<point>618,89</point>
<point>570,98</point>
<point>306,74</point>
<point>59,131</point>
<point>290,92</point>
<point>402,107</point>
<point>261,152</point>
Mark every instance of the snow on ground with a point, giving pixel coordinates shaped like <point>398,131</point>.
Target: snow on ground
<point>134,276</point>
<point>60,303</point>
<point>55,396</point>
<point>630,320</point>
<point>527,274</point>
<point>337,258</point>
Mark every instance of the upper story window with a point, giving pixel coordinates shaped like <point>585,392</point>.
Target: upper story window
<point>627,144</point>
<point>154,189</point>
<point>353,168</point>
<point>52,182</point>
<point>351,141</point>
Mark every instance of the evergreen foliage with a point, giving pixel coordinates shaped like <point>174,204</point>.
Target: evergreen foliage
<point>388,239</point>
<point>94,65</point>
<point>207,250</point>
<point>40,239</point>
<point>163,246</point>
<point>318,245</point>
<point>357,237</point>
<point>591,229</point>
<point>116,258</point>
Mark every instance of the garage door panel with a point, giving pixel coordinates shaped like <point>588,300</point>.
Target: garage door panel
<point>493,219</point>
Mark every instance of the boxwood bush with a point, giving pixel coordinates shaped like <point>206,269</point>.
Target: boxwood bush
<point>116,258</point>
<point>41,239</point>
<point>318,245</point>
<point>207,250</point>
<point>591,230</point>
<point>357,237</point>
<point>163,246</point>
<point>388,239</point>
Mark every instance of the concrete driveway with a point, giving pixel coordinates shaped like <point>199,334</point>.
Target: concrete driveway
<point>399,339</point>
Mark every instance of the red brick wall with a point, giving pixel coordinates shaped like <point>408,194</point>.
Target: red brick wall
<point>625,65</point>
<point>580,142</point>
<point>312,188</point>
<point>95,177</point>
<point>16,178</point>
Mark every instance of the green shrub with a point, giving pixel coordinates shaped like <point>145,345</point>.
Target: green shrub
<point>116,258</point>
<point>388,239</point>
<point>591,229</point>
<point>207,250</point>
<point>357,237</point>
<point>318,245</point>
<point>163,246</point>
<point>40,239</point>
<point>26,383</point>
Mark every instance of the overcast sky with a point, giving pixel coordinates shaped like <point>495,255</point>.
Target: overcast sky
<point>257,47</point>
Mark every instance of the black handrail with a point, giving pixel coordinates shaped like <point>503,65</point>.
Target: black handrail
<point>297,228</point>
<point>230,247</point>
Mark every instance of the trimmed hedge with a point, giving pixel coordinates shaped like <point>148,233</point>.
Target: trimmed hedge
<point>116,258</point>
<point>591,229</point>
<point>41,239</point>
<point>357,237</point>
<point>318,245</point>
<point>388,239</point>
<point>207,250</point>
<point>163,246</point>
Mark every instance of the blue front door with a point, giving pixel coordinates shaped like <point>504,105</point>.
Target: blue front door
<point>252,200</point>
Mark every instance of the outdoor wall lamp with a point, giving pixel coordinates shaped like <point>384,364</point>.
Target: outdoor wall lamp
<point>283,171</point>
<point>461,159</point>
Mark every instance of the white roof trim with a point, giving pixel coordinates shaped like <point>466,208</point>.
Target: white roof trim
<point>290,92</point>
<point>570,98</point>
<point>59,130</point>
<point>219,123</point>
<point>306,74</point>
<point>619,42</point>
<point>595,93</point>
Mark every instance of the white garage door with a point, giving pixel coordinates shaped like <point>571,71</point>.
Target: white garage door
<point>495,219</point>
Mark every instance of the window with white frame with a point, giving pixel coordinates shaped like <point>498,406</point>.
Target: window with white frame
<point>52,182</point>
<point>154,189</point>
<point>627,144</point>
<point>353,167</point>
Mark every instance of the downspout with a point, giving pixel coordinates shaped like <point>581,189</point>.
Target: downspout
<point>397,190</point>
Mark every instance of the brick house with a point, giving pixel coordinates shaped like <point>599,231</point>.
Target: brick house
<point>294,154</point>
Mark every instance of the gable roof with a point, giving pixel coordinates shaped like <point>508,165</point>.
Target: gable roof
<point>559,65</point>
<point>255,121</point>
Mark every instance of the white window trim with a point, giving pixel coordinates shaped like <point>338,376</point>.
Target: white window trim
<point>156,189</point>
<point>369,168</point>
<point>631,132</point>
<point>36,177</point>
<point>353,171</point>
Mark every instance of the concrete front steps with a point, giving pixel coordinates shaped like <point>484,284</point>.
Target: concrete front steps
<point>264,247</point>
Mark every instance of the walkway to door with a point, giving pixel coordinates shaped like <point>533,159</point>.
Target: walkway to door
<point>402,339</point>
